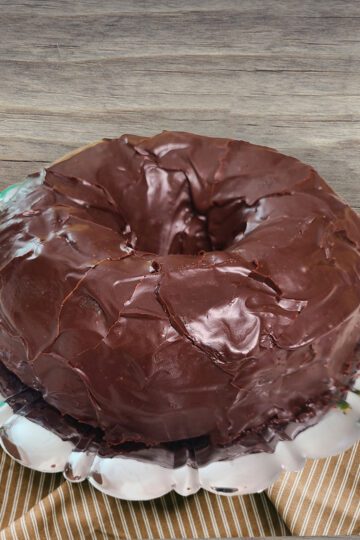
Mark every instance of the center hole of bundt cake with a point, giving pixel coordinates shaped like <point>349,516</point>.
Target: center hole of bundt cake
<point>214,232</point>
<point>171,209</point>
<point>165,217</point>
<point>217,231</point>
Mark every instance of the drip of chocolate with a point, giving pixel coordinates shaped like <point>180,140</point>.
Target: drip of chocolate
<point>180,290</point>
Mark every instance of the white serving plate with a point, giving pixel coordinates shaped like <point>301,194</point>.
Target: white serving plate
<point>37,448</point>
<point>125,478</point>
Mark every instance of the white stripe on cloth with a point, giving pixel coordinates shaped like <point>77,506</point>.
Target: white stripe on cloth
<point>335,506</point>
<point>306,517</point>
<point>326,496</point>
<point>354,488</point>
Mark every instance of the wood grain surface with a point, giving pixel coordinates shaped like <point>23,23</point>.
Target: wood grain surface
<point>280,73</point>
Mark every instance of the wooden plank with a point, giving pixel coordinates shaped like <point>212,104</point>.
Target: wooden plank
<point>108,35</point>
<point>135,85</point>
<point>189,62</point>
<point>282,8</point>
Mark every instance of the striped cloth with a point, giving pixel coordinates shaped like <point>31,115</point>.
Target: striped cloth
<point>323,499</point>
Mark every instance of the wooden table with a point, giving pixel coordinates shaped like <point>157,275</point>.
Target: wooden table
<point>280,73</point>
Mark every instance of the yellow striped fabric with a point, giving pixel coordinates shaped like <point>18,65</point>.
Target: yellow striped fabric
<point>323,499</point>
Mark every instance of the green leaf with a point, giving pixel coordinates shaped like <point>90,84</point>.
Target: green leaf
<point>343,406</point>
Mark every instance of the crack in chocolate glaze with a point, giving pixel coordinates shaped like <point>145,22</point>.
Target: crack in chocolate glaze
<point>71,294</point>
<point>267,280</point>
<point>181,330</point>
<point>179,295</point>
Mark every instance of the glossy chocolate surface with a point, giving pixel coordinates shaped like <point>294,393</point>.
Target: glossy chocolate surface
<point>180,288</point>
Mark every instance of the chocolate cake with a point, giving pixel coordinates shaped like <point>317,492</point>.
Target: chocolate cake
<point>178,291</point>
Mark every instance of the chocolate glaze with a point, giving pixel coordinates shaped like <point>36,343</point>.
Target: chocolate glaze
<point>183,290</point>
